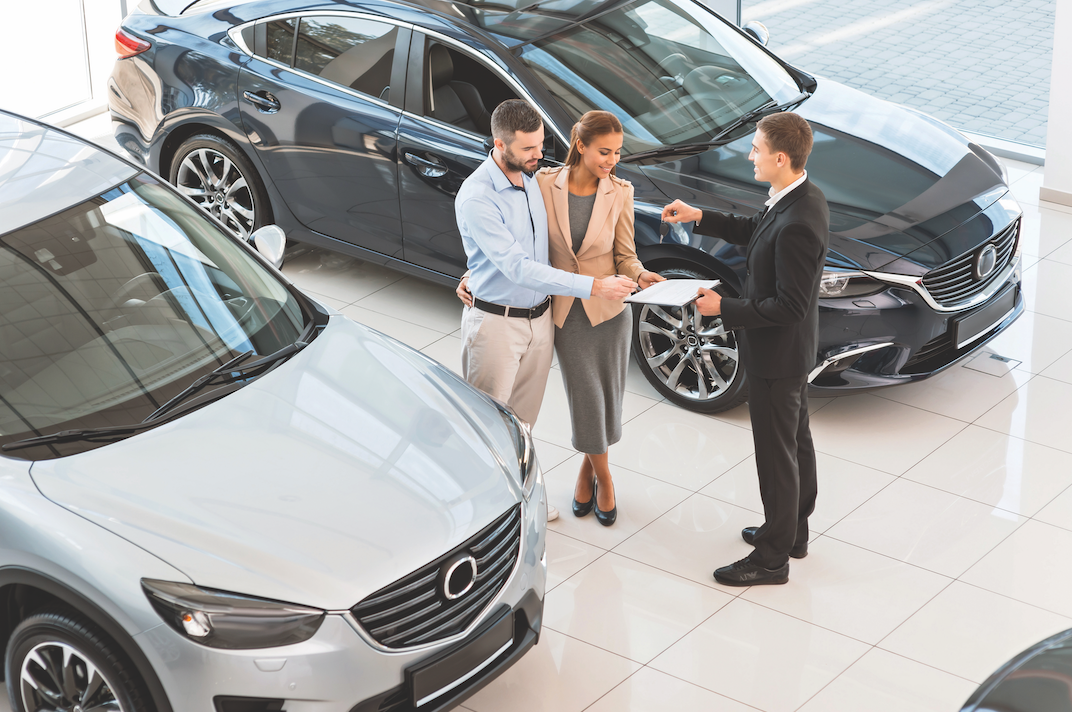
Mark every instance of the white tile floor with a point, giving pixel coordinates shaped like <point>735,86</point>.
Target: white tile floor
<point>945,508</point>
<point>939,543</point>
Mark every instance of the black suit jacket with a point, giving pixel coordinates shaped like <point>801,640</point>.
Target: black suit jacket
<point>777,316</point>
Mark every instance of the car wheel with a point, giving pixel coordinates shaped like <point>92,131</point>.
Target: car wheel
<point>55,661</point>
<point>690,359</point>
<point>223,183</point>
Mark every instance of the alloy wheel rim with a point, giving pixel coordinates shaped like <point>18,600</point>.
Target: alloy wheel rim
<point>693,355</point>
<point>213,181</point>
<point>56,676</point>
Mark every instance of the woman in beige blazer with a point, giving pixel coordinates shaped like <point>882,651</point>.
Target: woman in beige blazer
<point>590,231</point>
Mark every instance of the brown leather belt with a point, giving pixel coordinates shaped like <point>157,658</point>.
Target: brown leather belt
<point>533,313</point>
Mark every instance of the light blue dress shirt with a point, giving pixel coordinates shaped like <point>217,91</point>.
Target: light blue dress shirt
<point>504,232</point>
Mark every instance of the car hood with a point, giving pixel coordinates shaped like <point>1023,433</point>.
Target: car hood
<point>896,179</point>
<point>347,467</point>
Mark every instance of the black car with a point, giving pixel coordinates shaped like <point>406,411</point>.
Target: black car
<point>352,124</point>
<point>1037,680</point>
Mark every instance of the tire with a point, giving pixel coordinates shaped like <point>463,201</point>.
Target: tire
<point>70,663</point>
<point>217,176</point>
<point>704,376</point>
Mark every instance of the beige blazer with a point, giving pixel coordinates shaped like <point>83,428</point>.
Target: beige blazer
<point>608,246</point>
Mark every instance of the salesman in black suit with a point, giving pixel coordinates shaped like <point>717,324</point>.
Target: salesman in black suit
<point>777,321</point>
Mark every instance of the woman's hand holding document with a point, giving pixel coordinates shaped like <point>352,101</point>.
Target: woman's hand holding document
<point>672,292</point>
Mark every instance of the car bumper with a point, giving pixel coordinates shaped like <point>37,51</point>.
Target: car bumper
<point>341,670</point>
<point>898,337</point>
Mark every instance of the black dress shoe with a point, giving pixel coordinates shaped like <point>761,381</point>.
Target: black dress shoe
<point>749,536</point>
<point>605,518</point>
<point>747,573</point>
<point>581,509</point>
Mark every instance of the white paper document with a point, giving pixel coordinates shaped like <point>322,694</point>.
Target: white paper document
<point>672,292</point>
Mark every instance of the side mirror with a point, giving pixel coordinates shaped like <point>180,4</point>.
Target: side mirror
<point>758,31</point>
<point>270,241</point>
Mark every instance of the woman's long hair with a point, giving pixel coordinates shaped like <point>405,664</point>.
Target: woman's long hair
<point>591,126</point>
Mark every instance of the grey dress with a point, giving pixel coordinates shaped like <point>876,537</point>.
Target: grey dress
<point>593,359</point>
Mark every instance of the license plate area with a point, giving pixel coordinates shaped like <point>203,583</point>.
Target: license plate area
<point>438,676</point>
<point>967,329</point>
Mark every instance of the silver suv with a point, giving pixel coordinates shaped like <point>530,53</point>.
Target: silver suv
<point>217,494</point>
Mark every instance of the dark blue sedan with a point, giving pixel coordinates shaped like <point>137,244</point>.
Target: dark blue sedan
<point>352,124</point>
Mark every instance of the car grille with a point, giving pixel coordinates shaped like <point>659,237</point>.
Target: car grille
<point>414,610</point>
<point>953,283</point>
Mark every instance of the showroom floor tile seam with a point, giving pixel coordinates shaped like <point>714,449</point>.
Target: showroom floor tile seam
<point>989,504</point>
<point>394,316</point>
<point>914,464</point>
<point>880,392</point>
<point>738,592</point>
<point>924,568</point>
<point>890,652</point>
<point>679,679</point>
<point>1067,449</point>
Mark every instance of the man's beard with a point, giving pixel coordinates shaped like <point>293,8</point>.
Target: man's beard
<point>512,162</point>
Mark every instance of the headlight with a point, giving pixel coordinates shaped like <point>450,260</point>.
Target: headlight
<point>528,467</point>
<point>841,283</point>
<point>229,620</point>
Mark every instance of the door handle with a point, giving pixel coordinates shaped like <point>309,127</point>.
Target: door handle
<point>433,168</point>
<point>263,101</point>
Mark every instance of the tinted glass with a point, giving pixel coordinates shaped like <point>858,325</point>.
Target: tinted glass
<point>348,51</point>
<point>113,306</point>
<point>670,71</point>
<point>280,40</point>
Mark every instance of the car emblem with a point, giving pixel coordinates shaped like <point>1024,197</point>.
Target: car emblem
<point>459,575</point>
<point>985,262</point>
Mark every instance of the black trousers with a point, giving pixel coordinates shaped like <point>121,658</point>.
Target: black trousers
<point>785,458</point>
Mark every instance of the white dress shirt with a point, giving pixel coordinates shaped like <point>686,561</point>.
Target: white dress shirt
<point>775,197</point>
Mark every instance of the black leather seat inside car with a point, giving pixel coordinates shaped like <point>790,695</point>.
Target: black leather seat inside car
<point>455,102</point>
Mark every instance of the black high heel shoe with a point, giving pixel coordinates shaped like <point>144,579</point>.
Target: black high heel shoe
<point>605,518</point>
<point>581,509</point>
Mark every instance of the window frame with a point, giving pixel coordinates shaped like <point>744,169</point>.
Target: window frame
<point>419,85</point>
<point>256,30</point>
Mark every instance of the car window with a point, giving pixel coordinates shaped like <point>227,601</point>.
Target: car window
<point>279,36</point>
<point>113,306</point>
<point>461,91</point>
<point>349,51</point>
<point>670,72</point>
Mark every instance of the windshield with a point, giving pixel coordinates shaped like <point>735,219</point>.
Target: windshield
<point>669,70</point>
<point>114,306</point>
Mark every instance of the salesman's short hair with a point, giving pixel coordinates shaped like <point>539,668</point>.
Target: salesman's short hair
<point>511,116</point>
<point>790,134</point>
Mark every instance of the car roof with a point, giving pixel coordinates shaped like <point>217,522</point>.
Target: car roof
<point>514,22</point>
<point>507,22</point>
<point>44,170</point>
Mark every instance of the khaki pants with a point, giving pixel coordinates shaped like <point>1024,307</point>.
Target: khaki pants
<point>508,358</point>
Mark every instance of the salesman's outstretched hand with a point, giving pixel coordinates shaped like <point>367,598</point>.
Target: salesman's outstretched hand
<point>614,288</point>
<point>678,211</point>
<point>709,303</point>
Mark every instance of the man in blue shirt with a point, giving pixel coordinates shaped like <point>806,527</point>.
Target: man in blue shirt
<point>507,331</point>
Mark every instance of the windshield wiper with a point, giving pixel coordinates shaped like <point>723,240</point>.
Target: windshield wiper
<point>721,137</point>
<point>90,434</point>
<point>229,373</point>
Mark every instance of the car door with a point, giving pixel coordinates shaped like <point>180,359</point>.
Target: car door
<point>321,101</point>
<point>451,91</point>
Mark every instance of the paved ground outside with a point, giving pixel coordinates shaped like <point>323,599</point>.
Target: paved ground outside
<point>979,65</point>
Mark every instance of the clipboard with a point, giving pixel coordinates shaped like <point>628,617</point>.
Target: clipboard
<point>672,292</point>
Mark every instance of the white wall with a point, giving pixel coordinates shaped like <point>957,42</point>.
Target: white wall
<point>1057,183</point>
<point>60,75</point>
